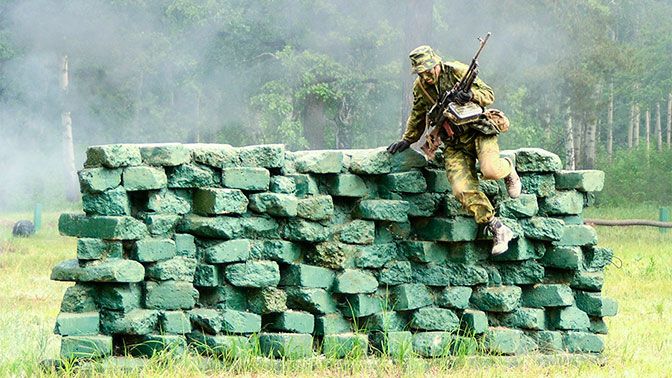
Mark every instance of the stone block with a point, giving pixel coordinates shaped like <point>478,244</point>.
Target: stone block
<point>240,322</point>
<point>524,317</point>
<point>501,340</point>
<point>474,322</point>
<point>206,275</point>
<point>374,255</point>
<point>360,305</point>
<point>589,281</point>
<point>584,180</point>
<point>393,343</point>
<point>583,342</point>
<point>176,322</point>
<point>178,268</point>
<point>149,345</point>
<point>77,324</point>
<point>119,297</point>
<point>261,227</point>
<point>265,155</point>
<point>188,176</point>
<point>422,204</point>
<point>291,321</point>
<point>527,272</point>
<point>424,252</point>
<point>537,160</point>
<point>331,324</point>
<point>548,295</point>
<point>386,321</point>
<point>570,219</point>
<point>369,162</point>
<point>161,225</point>
<point>404,182</point>
<point>230,346</point>
<point>437,181</point>
<point>228,251</point>
<point>568,318</point>
<point>497,299</point>
<point>224,296</point>
<point>86,346</point>
<point>332,255</point>
<point>134,322</point>
<point>467,274</point>
<point>379,209</point>
<point>98,249</point>
<point>353,281</point>
<point>410,296</point>
<point>432,344</point>
<point>578,235</point>
<point>319,161</point>
<point>358,231</point>
<point>113,156</point>
<point>110,202</point>
<point>213,201</point>
<point>407,160</point>
<point>214,155</point>
<point>305,231</point>
<point>523,207</point>
<point>94,180</point>
<point>469,252</point>
<point>212,227</point>
<point>548,341</point>
<point>206,320</point>
<point>79,298</point>
<point>563,258</point>
<point>110,270</point>
<point>167,201</point>
<point>185,245</point>
<point>286,345</point>
<point>282,184</point>
<point>597,325</point>
<point>345,345</point>
<point>395,273</point>
<point>446,229</point>
<point>521,249</point>
<point>144,178</point>
<point>388,232</point>
<point>539,184</point>
<point>103,227</point>
<point>246,178</point>
<point>594,304</point>
<point>541,228</point>
<point>316,301</point>
<point>565,202</point>
<point>306,276</point>
<point>170,295</point>
<point>315,208</point>
<point>306,185</point>
<point>267,300</point>
<point>435,319</point>
<point>148,250</point>
<point>253,274</point>
<point>276,250</point>
<point>597,258</point>
<point>431,274</point>
<point>169,154</point>
<point>454,297</point>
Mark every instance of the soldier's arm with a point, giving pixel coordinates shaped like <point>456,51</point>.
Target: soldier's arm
<point>483,94</point>
<point>415,125</point>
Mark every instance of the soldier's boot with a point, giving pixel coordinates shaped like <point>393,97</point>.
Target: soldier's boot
<point>502,235</point>
<point>512,181</point>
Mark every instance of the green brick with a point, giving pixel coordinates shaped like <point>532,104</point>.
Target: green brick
<point>286,345</point>
<point>144,178</point>
<point>207,320</point>
<point>523,207</point>
<point>541,228</point>
<point>319,161</point>
<point>527,272</point>
<point>264,155</point>
<point>169,154</point>
<point>214,155</point>
<point>98,249</point>
<point>583,180</point>
<point>393,343</point>
<point>110,270</point>
<point>149,345</point>
<point>583,342</point>
<point>446,229</point>
<point>352,281</point>
<point>431,274</point>
<point>185,245</point>
<point>305,231</point>
<point>170,295</point>
<point>410,297</point>
<point>134,322</point>
<point>537,160</point>
<point>212,227</point>
<point>548,341</point>
<point>120,297</point>
<point>316,207</point>
<point>98,179</point>
<point>79,298</point>
<point>497,299</point>
<point>167,201</point>
<point>407,160</point>
<point>214,201</point>
<point>435,319</point>
<point>332,255</point>
<point>589,281</point>
<point>521,249</point>
<point>524,317</point>
<point>317,301</point>
<point>467,274</point>
<point>424,252</point>
<point>226,345</point>
<point>148,250</point>
<point>563,258</point>
<point>454,297</point>
<point>176,322</point>
<point>276,250</point>
<point>291,321</point>
<point>500,340</point>
<point>387,321</point>
<point>192,176</point>
<point>388,232</point>
<point>541,185</point>
<point>578,235</point>
<point>113,156</point>
<point>345,345</point>
<point>161,225</point>
<point>374,255</point>
<point>568,318</point>
<point>597,325</point>
<point>246,178</point>
<point>267,300</point>
<point>359,305</point>
<point>77,324</point>
<point>597,258</point>
<point>240,322</point>
<point>566,202</point>
<point>206,275</point>
<point>228,251</point>
<point>178,268</point>
<point>382,210</point>
<point>307,276</point>
<point>469,252</point>
<point>110,202</point>
<point>358,231</point>
<point>395,273</point>
<point>305,184</point>
<point>253,274</point>
<point>346,185</point>
<point>282,184</point>
<point>331,324</point>
<point>86,346</point>
<point>422,204</point>
<point>103,227</point>
<point>594,304</point>
<point>224,296</point>
<point>437,181</point>
<point>260,227</point>
<point>548,295</point>
<point>370,161</point>
<point>474,322</point>
<point>432,344</point>
<point>404,182</point>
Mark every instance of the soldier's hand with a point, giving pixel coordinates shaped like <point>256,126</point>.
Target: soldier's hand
<point>399,146</point>
<point>464,96</point>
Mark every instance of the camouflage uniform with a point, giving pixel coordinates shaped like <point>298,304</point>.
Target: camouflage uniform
<point>462,150</point>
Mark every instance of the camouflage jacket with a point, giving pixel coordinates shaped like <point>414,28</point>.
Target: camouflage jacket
<point>450,74</point>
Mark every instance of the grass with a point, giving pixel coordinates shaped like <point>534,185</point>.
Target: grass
<point>639,343</point>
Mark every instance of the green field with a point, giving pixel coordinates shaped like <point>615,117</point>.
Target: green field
<point>639,343</point>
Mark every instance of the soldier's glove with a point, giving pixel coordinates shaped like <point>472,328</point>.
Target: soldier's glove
<point>464,96</point>
<point>399,146</point>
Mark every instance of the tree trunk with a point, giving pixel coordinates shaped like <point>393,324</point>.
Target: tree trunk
<point>659,129</point>
<point>669,119</point>
<point>610,122</point>
<point>314,122</point>
<point>578,139</point>
<point>631,126</point>
<point>570,162</point>
<point>647,125</point>
<point>591,141</point>
<point>418,31</point>
<point>70,169</point>
<point>638,121</point>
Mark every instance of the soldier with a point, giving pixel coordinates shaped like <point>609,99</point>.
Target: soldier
<point>462,149</point>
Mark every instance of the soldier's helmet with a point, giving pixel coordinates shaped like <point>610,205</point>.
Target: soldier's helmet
<point>423,59</point>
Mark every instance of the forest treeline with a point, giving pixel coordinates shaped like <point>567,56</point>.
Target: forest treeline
<point>590,80</point>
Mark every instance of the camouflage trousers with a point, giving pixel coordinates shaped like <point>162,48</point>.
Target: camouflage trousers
<point>460,160</point>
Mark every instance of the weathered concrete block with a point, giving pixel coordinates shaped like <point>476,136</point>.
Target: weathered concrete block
<point>583,342</point>
<point>119,297</point>
<point>149,345</point>
<point>360,305</point>
<point>332,255</point>
<point>331,324</point>
<point>102,227</point>
<point>454,297</point>
<point>369,162</point>
<point>303,230</point>
<point>467,274</point>
<point>446,229</point>
<point>246,178</point>
<point>161,225</point>
<point>291,321</point>
<point>178,268</point>
<point>212,227</point>
<point>435,319</point>
<point>578,235</point>
<point>521,273</point>
<point>113,156</point>
<point>134,322</point>
<point>144,178</point>
<point>225,345</point>
<point>542,228</point>
<point>110,202</point>
<point>148,250</point>
<point>265,155</point>
<point>170,295</point>
<point>563,258</point>
<point>568,318</point>
<point>524,317</point>
<point>207,320</point>
<point>589,281</point>
<point>437,181</point>
<point>167,201</point>
<point>407,160</point>
<point>422,204</point>
<point>224,296</point>
<point>548,295</point>
<point>214,155</point>
<point>410,297</point>
<point>185,245</point>
<point>424,252</point>
<point>404,182</point>
<point>306,185</point>
<point>597,325</point>
<point>79,298</point>
<point>176,322</point>
<point>391,210</point>
<point>547,341</point>
<point>474,322</point>
<point>77,324</point>
<point>98,249</point>
<point>537,160</point>
<point>94,180</point>
<point>358,231</point>
<point>253,274</point>
<point>110,270</point>
<point>431,274</point>
<point>86,346</point>
<point>497,299</point>
<point>583,180</point>
<point>352,281</point>
<point>388,231</point>
<point>261,227</point>
<point>286,345</point>
<point>169,154</point>
<point>192,176</point>
<point>374,255</point>
<point>566,202</point>
<point>316,207</point>
<point>432,344</point>
<point>521,249</point>
<point>276,250</point>
<point>387,321</point>
<point>212,201</point>
<point>503,340</point>
<point>595,304</point>
<point>396,273</point>
<point>523,207</point>
<point>307,276</point>
<point>469,252</point>
<point>319,161</point>
<point>539,184</point>
<point>282,184</point>
<point>267,300</point>
<point>345,345</point>
<point>240,322</point>
<point>597,258</point>
<point>228,251</point>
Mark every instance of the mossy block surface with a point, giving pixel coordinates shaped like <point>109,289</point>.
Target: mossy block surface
<point>331,324</point>
<point>267,300</point>
<point>170,295</point>
<point>563,258</point>
<point>539,184</point>
<point>358,231</point>
<point>584,180</point>
<point>119,297</point>
<point>404,182</point>
<point>316,207</point>
<point>379,209</point>
<point>410,297</point>
<point>240,322</point>
<point>144,178</point>
<point>96,180</point>
<point>547,341</point>
<point>468,252</point>
<point>523,207</point>
<point>98,249</point>
<point>497,299</point>
<point>319,161</point>
<point>387,321</point>
<point>253,274</point>
<point>192,176</point>
<point>102,227</point>
<point>396,273</point>
<point>597,258</point>
<point>423,251</point>
<point>548,295</point>
<point>224,296</point>
<point>77,324</point>
<point>286,345</point>
<point>374,255</point>
<point>86,346</point>
<point>454,297</point>
<point>168,154</point>
<point>176,322</point>
<point>148,250</point>
<point>185,245</point>
<point>542,228</point>
<point>431,274</point>
<point>568,318</point>
<point>467,274</point>
<point>594,304</point>
<point>178,268</point>
<point>213,201</point>
<point>210,154</point>
<point>446,229</point>
<point>110,270</point>
<point>246,178</point>
<point>113,156</point>
<point>537,160</point>
<point>345,345</point>
<point>355,281</point>
<point>527,272</point>
<point>583,342</point>
<point>407,160</point>
<point>229,251</point>
<point>306,184</point>
<point>307,276</point>
<point>501,340</point>
<point>578,235</point>
<point>291,321</point>
<point>435,319</point>
<point>134,322</point>
<point>332,255</point>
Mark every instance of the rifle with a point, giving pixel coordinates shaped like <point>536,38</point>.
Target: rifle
<point>446,113</point>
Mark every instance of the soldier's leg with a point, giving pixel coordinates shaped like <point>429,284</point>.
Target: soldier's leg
<point>461,172</point>
<point>492,166</point>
